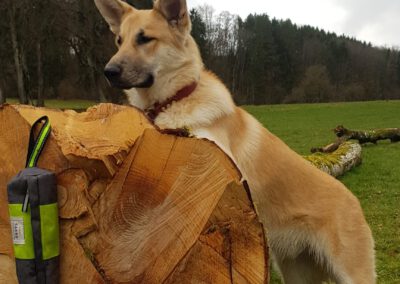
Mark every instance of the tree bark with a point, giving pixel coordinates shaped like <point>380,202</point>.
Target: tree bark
<point>17,55</point>
<point>135,205</point>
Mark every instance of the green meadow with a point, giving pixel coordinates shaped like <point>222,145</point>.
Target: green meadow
<point>376,182</point>
<point>67,104</point>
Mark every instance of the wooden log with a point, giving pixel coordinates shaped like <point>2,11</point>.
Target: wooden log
<point>363,136</point>
<point>343,159</point>
<point>369,136</point>
<point>341,156</point>
<point>330,148</point>
<point>135,205</point>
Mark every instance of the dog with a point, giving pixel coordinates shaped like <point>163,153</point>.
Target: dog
<point>315,226</point>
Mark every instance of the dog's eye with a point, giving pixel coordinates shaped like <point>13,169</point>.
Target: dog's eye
<point>142,39</point>
<point>119,40</point>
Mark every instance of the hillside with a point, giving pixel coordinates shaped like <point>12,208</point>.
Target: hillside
<point>269,61</point>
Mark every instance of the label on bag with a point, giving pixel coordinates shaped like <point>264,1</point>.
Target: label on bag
<point>17,228</point>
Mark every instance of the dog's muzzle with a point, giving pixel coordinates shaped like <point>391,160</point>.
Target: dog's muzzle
<point>112,72</point>
<point>114,75</point>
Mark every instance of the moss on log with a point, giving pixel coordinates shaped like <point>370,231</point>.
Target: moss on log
<point>343,159</point>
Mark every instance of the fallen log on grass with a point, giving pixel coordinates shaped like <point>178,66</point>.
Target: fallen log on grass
<point>341,155</point>
<point>369,136</point>
<point>136,206</point>
<point>343,159</point>
<point>330,147</point>
<point>363,136</point>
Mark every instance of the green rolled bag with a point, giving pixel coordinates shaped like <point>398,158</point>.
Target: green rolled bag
<point>32,199</point>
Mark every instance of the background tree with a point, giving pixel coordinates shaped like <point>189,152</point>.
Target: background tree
<point>315,87</point>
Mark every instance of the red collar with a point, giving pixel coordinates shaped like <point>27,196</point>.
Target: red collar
<point>160,107</point>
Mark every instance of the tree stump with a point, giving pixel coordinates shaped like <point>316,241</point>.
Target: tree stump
<point>135,205</point>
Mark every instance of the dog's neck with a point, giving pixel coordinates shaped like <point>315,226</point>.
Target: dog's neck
<point>157,108</point>
<point>167,86</point>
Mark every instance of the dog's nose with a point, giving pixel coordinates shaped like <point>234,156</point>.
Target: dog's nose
<point>112,72</point>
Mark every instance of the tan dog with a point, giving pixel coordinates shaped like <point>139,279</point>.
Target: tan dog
<point>315,226</point>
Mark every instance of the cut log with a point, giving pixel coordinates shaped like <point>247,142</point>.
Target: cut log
<point>135,205</point>
<point>343,159</point>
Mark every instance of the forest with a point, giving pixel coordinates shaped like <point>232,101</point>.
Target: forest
<point>57,49</point>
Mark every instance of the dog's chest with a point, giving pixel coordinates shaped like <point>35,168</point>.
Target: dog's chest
<point>220,140</point>
<point>175,120</point>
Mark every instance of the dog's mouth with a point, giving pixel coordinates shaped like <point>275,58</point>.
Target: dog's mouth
<point>126,85</point>
<point>146,83</point>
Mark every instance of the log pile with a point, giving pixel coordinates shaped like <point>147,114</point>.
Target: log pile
<point>136,206</point>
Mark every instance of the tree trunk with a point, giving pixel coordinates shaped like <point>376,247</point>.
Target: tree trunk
<point>17,55</point>
<point>95,88</point>
<point>2,96</point>
<point>135,205</point>
<point>40,101</point>
<point>100,91</point>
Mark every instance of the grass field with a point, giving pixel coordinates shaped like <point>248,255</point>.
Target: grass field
<point>376,182</point>
<point>70,104</point>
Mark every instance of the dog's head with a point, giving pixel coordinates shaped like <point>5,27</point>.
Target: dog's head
<point>150,42</point>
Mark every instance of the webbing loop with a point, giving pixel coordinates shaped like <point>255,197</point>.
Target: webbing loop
<point>36,146</point>
<point>35,149</point>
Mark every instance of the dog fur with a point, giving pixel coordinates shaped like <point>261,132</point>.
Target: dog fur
<point>315,226</point>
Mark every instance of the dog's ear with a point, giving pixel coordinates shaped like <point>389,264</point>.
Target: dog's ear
<point>113,12</point>
<point>174,11</point>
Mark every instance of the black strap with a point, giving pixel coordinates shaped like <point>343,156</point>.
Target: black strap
<point>34,200</point>
<point>36,145</point>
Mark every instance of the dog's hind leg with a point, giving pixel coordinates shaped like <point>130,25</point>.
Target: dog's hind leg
<point>354,261</point>
<point>347,271</point>
<point>302,270</point>
<point>355,276</point>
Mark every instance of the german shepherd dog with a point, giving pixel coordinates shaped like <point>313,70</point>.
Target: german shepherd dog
<point>315,226</point>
